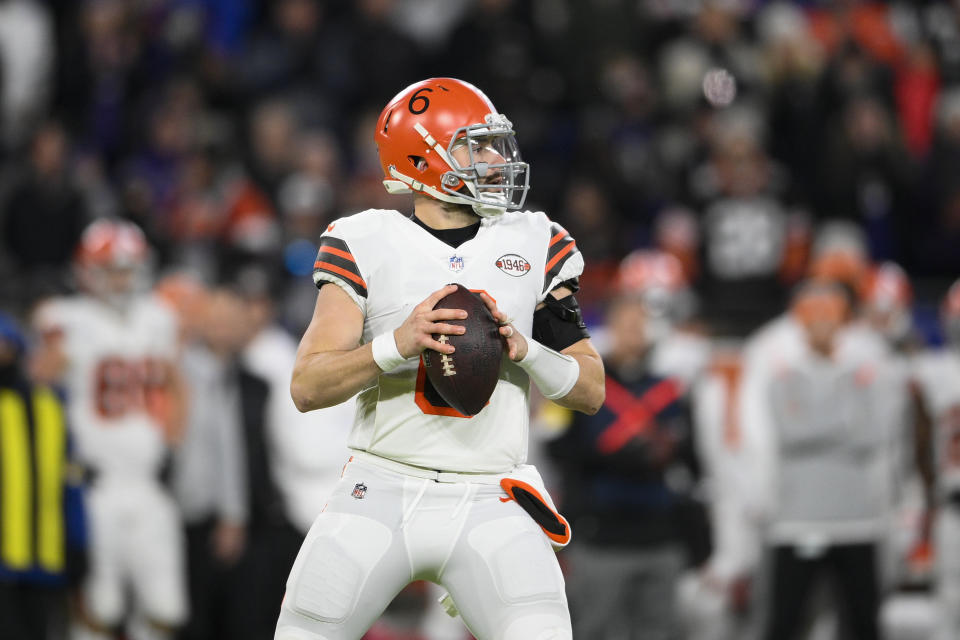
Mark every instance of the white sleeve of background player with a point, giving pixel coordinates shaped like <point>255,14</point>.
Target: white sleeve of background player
<point>58,318</point>
<point>563,260</point>
<point>339,259</point>
<point>166,329</point>
<point>759,438</point>
<point>51,315</point>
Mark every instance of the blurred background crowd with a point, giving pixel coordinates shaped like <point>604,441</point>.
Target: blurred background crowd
<point>768,280</point>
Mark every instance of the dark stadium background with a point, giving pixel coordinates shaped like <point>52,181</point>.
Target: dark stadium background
<point>234,131</point>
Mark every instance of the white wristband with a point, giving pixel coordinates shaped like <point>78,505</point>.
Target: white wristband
<point>554,373</point>
<point>385,352</point>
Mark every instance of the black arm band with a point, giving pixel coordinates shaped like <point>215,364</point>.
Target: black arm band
<point>559,324</point>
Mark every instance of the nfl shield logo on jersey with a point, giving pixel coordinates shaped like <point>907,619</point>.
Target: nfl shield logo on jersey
<point>359,490</point>
<point>456,263</point>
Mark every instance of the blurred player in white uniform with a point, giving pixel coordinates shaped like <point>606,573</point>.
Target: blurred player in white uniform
<point>825,408</point>
<point>939,378</point>
<point>677,350</point>
<point>429,493</point>
<point>117,348</point>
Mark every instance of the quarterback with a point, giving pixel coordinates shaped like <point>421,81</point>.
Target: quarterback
<point>429,493</point>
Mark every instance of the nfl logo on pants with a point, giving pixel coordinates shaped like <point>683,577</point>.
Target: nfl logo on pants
<point>359,490</point>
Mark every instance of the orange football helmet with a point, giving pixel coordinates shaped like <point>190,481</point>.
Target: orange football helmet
<point>444,138</point>
<point>887,286</point>
<point>111,259</point>
<point>657,277</point>
<point>114,243</point>
<point>886,297</point>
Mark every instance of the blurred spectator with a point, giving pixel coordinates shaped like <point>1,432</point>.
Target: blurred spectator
<point>114,349</point>
<point>282,53</point>
<point>100,75</point>
<point>794,63</point>
<point>292,458</point>
<point>42,528</point>
<point>828,410</point>
<point>43,216</point>
<point>151,173</point>
<point>588,213</point>
<point>744,225</point>
<point>307,197</point>
<point>209,469</point>
<point>26,65</point>
<point>935,233</point>
<point>273,133</point>
<point>627,472</point>
<point>865,176</point>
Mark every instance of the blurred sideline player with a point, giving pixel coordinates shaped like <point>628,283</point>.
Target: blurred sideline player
<point>428,493</point>
<point>117,347</point>
<point>886,297</point>
<point>939,378</point>
<point>677,351</point>
<point>826,409</point>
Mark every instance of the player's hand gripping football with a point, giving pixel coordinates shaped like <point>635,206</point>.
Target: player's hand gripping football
<point>516,343</point>
<point>416,332</point>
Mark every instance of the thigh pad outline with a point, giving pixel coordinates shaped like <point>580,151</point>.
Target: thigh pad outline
<point>522,564</point>
<point>334,565</point>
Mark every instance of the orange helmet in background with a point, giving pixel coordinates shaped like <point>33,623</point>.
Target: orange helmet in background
<point>111,260</point>
<point>658,278</point>
<point>421,127</point>
<point>886,286</point>
<point>646,269</point>
<point>886,297</point>
<point>115,243</point>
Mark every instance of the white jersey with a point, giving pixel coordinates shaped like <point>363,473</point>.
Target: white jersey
<point>388,264</point>
<point>118,368</point>
<point>823,428</point>
<point>938,375</point>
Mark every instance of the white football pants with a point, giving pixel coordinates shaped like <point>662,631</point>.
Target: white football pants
<point>136,543</point>
<point>383,528</point>
<point>947,563</point>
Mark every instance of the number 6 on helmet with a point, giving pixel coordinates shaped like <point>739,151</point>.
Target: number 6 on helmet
<point>443,138</point>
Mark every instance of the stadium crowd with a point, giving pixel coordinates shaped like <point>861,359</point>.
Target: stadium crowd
<point>768,281</point>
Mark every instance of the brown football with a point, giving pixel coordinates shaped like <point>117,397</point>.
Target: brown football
<point>465,379</point>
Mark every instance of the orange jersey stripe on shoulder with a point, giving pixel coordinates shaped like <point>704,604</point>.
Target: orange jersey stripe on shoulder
<point>567,249</point>
<point>319,264</point>
<point>555,239</point>
<point>338,252</point>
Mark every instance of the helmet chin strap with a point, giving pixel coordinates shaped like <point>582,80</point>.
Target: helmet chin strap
<point>406,184</point>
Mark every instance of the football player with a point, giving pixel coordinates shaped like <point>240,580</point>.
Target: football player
<point>117,348</point>
<point>887,296</point>
<point>939,377</point>
<point>430,493</point>
<point>677,351</point>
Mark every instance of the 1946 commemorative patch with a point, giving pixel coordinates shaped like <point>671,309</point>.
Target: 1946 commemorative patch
<point>513,265</point>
